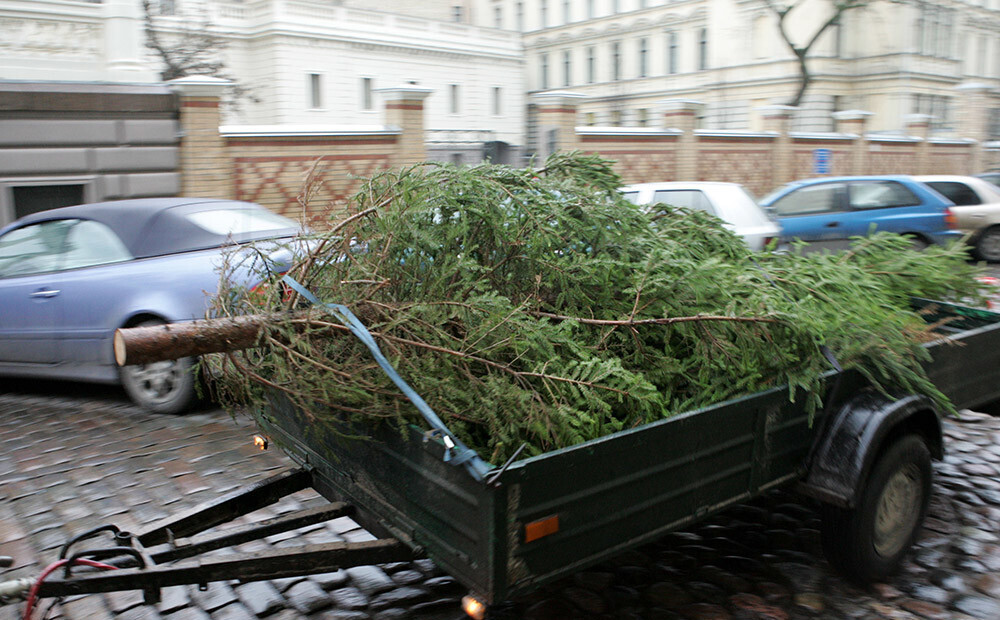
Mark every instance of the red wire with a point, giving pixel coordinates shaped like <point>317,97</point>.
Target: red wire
<point>33,594</point>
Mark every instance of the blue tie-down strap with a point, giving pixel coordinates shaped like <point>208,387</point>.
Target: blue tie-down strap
<point>455,451</point>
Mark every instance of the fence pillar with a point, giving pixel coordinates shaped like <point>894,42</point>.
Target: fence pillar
<point>682,115</point>
<point>973,120</point>
<point>852,123</point>
<point>556,113</point>
<point>919,126</point>
<point>778,120</point>
<point>205,165</point>
<point>404,108</point>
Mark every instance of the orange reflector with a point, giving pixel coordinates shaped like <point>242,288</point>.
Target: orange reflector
<point>541,528</point>
<point>473,607</point>
<point>260,441</point>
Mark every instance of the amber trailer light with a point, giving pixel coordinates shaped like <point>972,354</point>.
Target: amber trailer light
<point>473,607</point>
<point>541,528</point>
<point>260,441</point>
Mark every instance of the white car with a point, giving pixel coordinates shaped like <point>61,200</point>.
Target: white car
<point>730,202</point>
<point>976,210</point>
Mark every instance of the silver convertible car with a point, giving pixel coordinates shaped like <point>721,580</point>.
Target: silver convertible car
<point>70,277</point>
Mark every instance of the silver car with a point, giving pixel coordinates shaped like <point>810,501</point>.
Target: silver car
<point>70,277</point>
<point>976,210</point>
<point>730,202</point>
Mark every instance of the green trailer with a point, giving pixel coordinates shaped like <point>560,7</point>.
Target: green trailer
<point>865,456</point>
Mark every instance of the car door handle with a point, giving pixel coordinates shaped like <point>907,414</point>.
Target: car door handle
<point>832,224</point>
<point>44,294</point>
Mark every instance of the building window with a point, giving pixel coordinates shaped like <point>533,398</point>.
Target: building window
<point>642,117</point>
<point>544,9</point>
<point>520,17</point>
<point>615,8</point>
<point>616,118</point>
<point>315,91</point>
<point>981,56</point>
<point>591,65</point>
<point>453,90</point>
<point>590,9</point>
<point>567,18</point>
<point>643,57</point>
<point>616,61</point>
<point>457,13</point>
<point>703,48</point>
<point>937,106</point>
<point>672,52</point>
<point>590,119</point>
<point>567,68</point>
<point>367,102</point>
<point>944,33</point>
<point>497,100</point>
<point>544,72</point>
<point>498,17</point>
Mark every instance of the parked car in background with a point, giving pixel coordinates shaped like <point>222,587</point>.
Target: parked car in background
<point>730,202</point>
<point>70,277</point>
<point>977,210</point>
<point>992,177</point>
<point>828,212</point>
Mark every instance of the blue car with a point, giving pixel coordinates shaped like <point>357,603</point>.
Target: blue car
<point>827,212</point>
<point>70,277</point>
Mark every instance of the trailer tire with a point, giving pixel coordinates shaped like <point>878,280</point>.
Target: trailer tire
<point>868,543</point>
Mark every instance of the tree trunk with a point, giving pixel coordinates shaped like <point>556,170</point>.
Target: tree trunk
<point>144,345</point>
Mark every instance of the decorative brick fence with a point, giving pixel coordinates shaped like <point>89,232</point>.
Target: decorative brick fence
<point>311,172</point>
<point>762,161</point>
<point>303,172</point>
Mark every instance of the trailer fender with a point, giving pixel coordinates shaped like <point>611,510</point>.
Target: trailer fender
<point>856,435</point>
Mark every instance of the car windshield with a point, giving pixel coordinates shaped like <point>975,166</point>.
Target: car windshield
<point>238,222</point>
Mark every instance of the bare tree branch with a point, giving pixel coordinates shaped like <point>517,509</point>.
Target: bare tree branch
<point>802,52</point>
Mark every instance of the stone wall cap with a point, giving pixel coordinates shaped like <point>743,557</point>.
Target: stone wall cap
<point>918,119</point>
<point>821,135</point>
<point>671,105</point>
<point>199,85</point>
<point>973,86</point>
<point>404,92</point>
<point>992,144</point>
<point>734,133</point>
<point>299,131</point>
<point>885,137</point>
<point>557,97</point>
<point>961,141</point>
<point>851,115</point>
<point>626,131</point>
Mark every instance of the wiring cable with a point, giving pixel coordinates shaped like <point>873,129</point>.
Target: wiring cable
<point>33,594</point>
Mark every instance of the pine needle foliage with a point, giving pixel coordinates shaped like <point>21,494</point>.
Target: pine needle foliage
<point>540,307</point>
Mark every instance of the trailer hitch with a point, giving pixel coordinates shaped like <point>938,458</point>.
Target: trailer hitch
<point>167,553</point>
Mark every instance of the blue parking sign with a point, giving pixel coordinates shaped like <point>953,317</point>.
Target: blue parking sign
<point>821,161</point>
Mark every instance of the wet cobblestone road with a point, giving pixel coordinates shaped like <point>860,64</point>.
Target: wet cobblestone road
<point>85,457</point>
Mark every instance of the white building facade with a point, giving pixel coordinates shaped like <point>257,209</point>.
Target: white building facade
<point>892,59</point>
<point>305,62</point>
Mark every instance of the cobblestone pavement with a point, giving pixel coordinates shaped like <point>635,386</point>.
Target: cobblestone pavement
<point>85,457</point>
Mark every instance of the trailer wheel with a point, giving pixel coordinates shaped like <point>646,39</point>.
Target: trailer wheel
<point>868,543</point>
